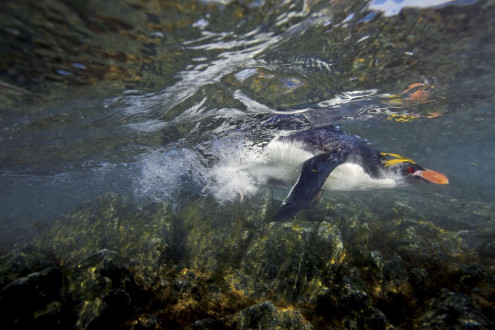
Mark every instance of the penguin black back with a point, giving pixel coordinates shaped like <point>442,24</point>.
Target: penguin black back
<point>331,138</point>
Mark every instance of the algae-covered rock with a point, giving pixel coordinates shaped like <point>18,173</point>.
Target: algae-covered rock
<point>142,237</point>
<point>289,260</point>
<point>214,265</point>
<point>421,281</point>
<point>32,301</point>
<point>454,310</point>
<point>208,323</point>
<point>24,261</point>
<point>210,234</point>
<point>266,316</point>
<point>103,289</point>
<point>215,236</point>
<point>100,292</point>
<point>194,298</point>
<point>389,286</point>
<point>391,274</point>
<point>347,304</point>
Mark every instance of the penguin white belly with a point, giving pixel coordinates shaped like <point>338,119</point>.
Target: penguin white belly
<point>284,162</point>
<point>349,176</point>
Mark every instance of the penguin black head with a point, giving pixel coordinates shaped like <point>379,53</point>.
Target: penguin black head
<point>408,170</point>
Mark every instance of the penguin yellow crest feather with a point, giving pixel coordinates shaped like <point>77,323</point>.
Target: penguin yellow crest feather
<point>396,160</point>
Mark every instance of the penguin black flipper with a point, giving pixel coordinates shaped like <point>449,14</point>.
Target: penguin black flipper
<point>313,174</point>
<point>314,201</point>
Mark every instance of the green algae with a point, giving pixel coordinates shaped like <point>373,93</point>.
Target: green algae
<point>228,265</point>
<point>110,222</point>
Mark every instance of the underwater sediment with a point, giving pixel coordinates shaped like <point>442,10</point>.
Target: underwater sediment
<point>345,265</point>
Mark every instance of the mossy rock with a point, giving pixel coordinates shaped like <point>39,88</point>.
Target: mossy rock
<point>289,260</point>
<point>266,316</point>
<point>215,235</point>
<point>454,310</point>
<point>33,301</point>
<point>104,291</point>
<point>141,237</point>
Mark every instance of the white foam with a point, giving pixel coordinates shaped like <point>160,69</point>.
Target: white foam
<point>165,173</point>
<point>229,178</point>
<point>229,183</point>
<point>394,7</point>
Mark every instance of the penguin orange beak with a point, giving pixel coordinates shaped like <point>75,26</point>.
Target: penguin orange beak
<point>432,176</point>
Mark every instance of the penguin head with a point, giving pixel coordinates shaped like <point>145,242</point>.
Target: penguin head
<point>408,171</point>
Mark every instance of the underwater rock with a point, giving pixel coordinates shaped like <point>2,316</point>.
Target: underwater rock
<point>347,304</point>
<point>389,286</point>
<point>344,266</point>
<point>100,292</point>
<point>193,298</point>
<point>393,276</point>
<point>421,243</point>
<point>355,232</point>
<point>488,250</point>
<point>420,280</point>
<point>208,323</point>
<point>32,301</point>
<point>266,316</point>
<point>210,233</point>
<point>141,237</point>
<point>289,260</point>
<point>454,310</point>
<point>23,261</point>
<point>215,236</point>
<point>256,210</point>
<point>104,290</point>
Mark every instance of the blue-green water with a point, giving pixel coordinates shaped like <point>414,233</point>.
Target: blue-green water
<point>131,97</point>
<point>164,103</point>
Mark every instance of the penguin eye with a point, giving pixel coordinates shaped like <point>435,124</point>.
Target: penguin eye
<point>410,170</point>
